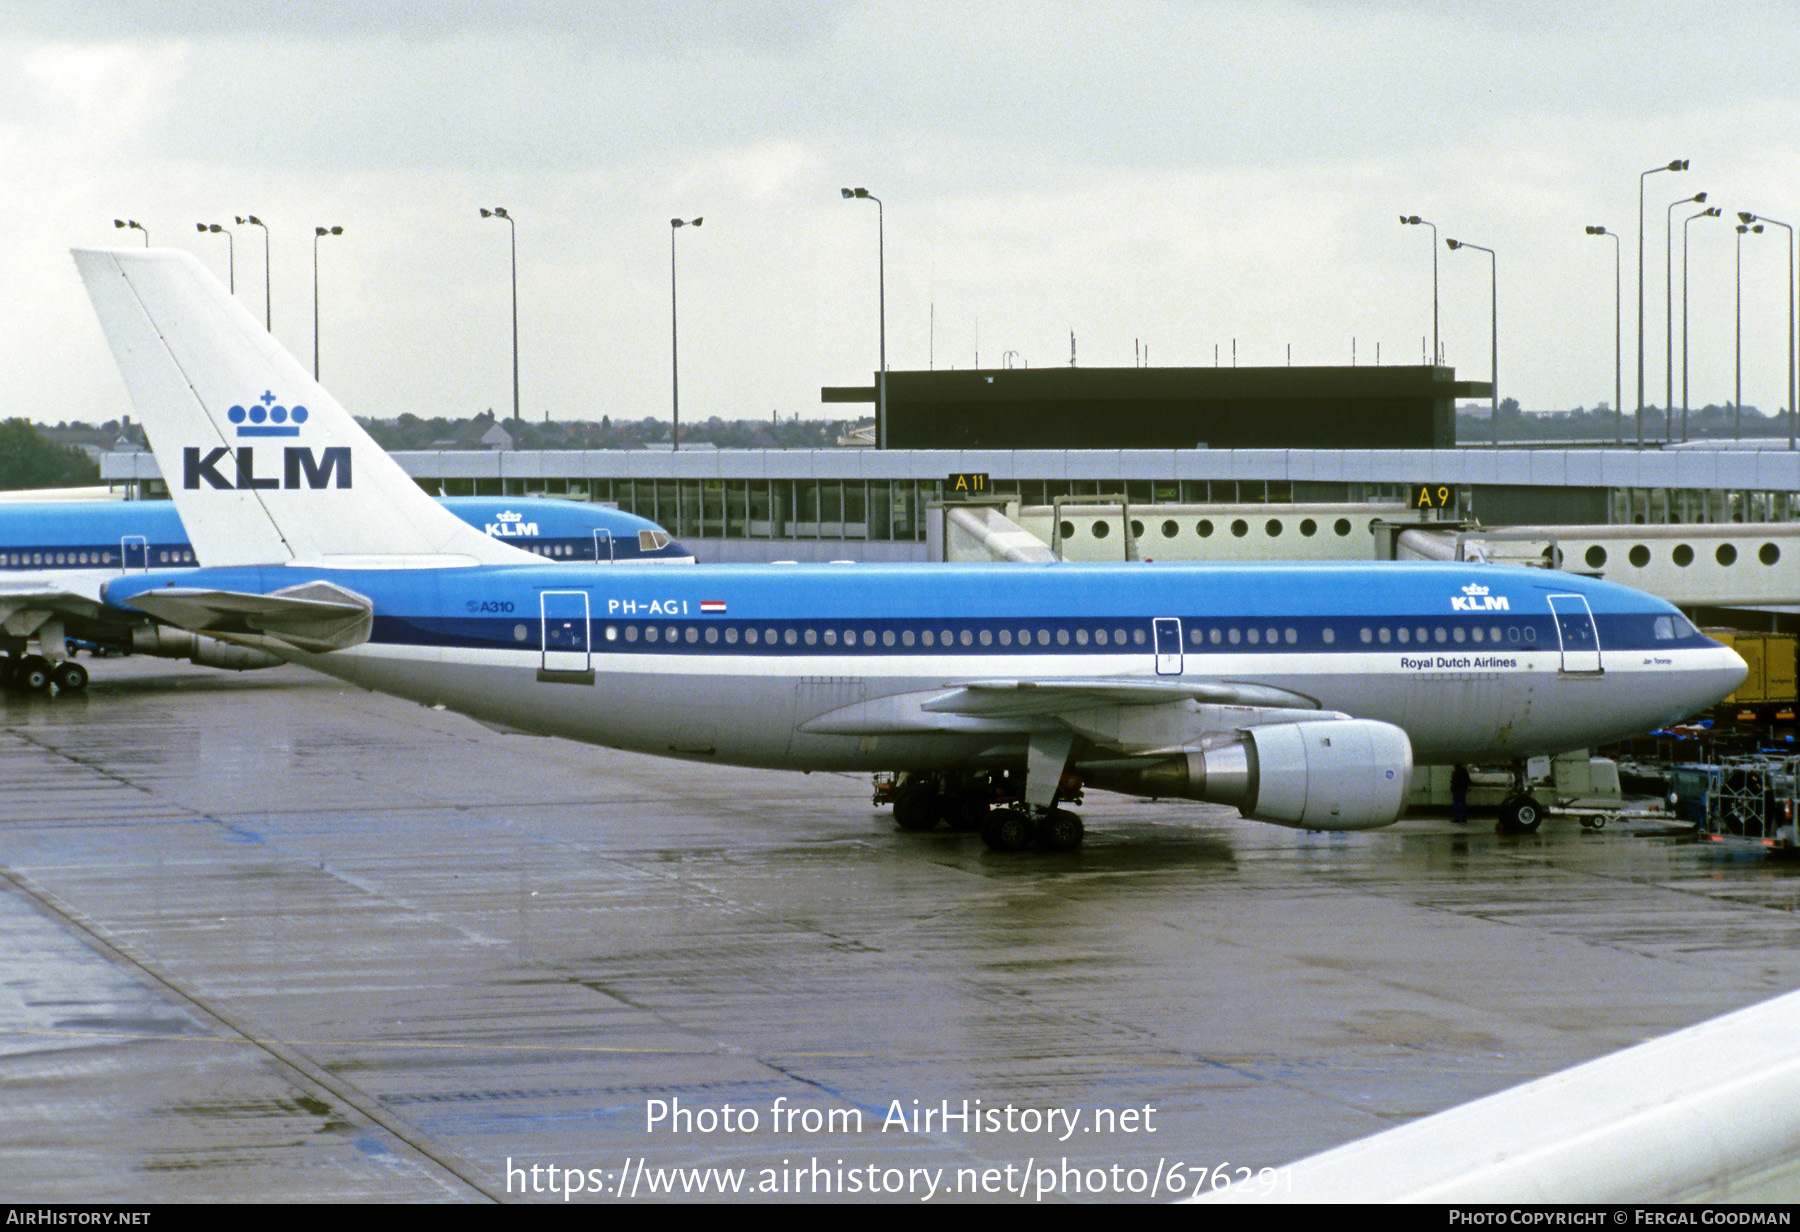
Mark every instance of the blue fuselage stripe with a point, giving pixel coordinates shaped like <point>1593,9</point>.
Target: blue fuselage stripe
<point>1408,609</point>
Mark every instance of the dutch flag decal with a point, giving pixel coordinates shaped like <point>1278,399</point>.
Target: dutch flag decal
<point>712,607</point>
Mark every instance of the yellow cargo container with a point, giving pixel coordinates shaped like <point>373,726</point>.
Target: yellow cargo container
<point>1770,658</point>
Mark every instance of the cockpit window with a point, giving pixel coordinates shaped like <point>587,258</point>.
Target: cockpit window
<point>1671,628</point>
<point>652,540</point>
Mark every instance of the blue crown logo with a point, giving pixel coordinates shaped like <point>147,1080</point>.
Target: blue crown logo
<point>264,418</point>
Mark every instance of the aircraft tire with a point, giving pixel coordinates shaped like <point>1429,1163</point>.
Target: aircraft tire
<point>916,809</point>
<point>1006,829</point>
<point>34,674</point>
<point>69,676</point>
<point>1521,815</point>
<point>1061,831</point>
<point>967,812</point>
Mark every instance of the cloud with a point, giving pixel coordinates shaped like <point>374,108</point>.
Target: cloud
<point>1171,172</point>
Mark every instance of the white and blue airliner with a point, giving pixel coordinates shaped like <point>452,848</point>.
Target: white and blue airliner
<point>54,556</point>
<point>1301,694</point>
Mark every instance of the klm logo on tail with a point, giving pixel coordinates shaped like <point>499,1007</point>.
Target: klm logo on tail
<point>266,419</point>
<point>301,466</point>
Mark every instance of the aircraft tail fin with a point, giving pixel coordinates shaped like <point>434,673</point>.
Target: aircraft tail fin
<point>264,465</point>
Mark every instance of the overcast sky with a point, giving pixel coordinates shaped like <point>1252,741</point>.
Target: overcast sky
<point>1173,175</point>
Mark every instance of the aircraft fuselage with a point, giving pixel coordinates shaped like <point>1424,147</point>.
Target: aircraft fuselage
<point>745,665</point>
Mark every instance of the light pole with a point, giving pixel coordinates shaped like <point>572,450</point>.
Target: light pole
<point>1618,342</point>
<point>318,234</point>
<point>1749,218</point>
<point>1709,212</point>
<point>881,273</point>
<point>675,224</point>
<point>251,220</point>
<point>500,212</point>
<point>230,250</point>
<point>1413,220</point>
<point>132,224</point>
<point>1669,313</point>
<point>1737,398</point>
<point>1494,319</point>
<point>1679,164</point>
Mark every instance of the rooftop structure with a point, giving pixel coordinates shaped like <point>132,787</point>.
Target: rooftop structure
<point>1168,408</point>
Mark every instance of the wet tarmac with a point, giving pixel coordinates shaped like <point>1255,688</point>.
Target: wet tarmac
<point>268,937</point>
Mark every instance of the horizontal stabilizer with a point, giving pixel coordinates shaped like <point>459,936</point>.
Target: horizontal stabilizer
<point>315,617</point>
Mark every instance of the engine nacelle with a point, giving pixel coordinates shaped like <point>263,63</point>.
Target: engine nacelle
<point>1333,774</point>
<point>166,643</point>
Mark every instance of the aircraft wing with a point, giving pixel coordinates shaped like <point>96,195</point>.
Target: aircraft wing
<point>1138,716</point>
<point>1002,698</point>
<point>315,617</point>
<point>1275,754</point>
<point>26,605</point>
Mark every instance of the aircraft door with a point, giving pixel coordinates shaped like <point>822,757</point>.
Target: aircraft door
<point>1576,632</point>
<point>1167,632</point>
<point>564,617</point>
<point>134,553</point>
<point>603,546</point>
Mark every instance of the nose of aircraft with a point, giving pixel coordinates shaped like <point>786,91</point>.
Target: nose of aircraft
<point>1719,676</point>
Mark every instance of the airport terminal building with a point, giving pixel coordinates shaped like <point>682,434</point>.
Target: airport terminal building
<point>1221,464</point>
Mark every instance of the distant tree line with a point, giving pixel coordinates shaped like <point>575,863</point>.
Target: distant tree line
<point>1709,422</point>
<point>28,459</point>
<point>413,432</point>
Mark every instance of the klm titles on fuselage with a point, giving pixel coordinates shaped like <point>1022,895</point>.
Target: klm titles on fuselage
<point>1475,598</point>
<point>509,525</point>
<point>301,466</point>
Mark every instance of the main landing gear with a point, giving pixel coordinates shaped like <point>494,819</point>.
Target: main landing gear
<point>923,801</point>
<point>986,801</point>
<point>1017,827</point>
<point>35,674</point>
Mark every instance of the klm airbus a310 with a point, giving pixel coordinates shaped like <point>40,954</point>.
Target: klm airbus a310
<point>55,555</point>
<point>1301,694</point>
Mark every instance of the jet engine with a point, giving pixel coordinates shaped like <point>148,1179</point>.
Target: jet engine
<point>168,643</point>
<point>1332,774</point>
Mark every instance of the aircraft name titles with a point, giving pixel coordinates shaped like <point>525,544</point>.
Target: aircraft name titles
<point>1456,662</point>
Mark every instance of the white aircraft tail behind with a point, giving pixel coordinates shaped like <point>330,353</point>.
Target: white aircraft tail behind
<point>264,465</point>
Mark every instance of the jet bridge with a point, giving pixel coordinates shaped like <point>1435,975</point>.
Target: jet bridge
<point>1702,564</point>
<point>980,530</point>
